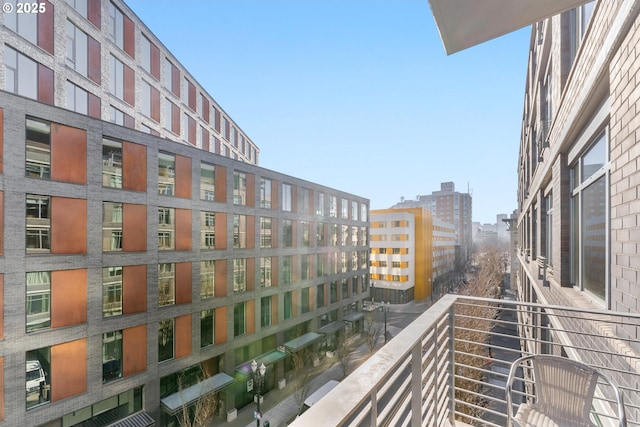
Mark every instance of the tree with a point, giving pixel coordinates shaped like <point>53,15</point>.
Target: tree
<point>302,377</point>
<point>344,351</point>
<point>372,330</point>
<point>202,412</point>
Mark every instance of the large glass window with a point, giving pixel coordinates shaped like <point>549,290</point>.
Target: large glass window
<point>38,149</point>
<point>207,230</point>
<point>287,197</point>
<point>265,193</point>
<point>239,231</point>
<point>319,203</point>
<point>38,300</point>
<point>287,233</point>
<point>265,271</point>
<point>166,329</point>
<point>76,49</point>
<point>265,311</point>
<point>166,284</point>
<point>207,329</point>
<point>38,376</point>
<point>116,78</point>
<point>38,237</point>
<point>166,228</point>
<point>239,275</point>
<point>111,291</point>
<point>111,226</point>
<point>590,221</point>
<point>239,319</point>
<point>207,182</point>
<point>305,305</point>
<point>287,269</point>
<point>207,278</point>
<point>20,72</point>
<point>239,188</point>
<point>305,229</point>
<point>344,208</point>
<point>288,304</point>
<point>333,206</point>
<point>305,269</point>
<point>320,295</point>
<point>111,356</point>
<point>115,27</point>
<point>77,98</point>
<point>265,232</point>
<point>166,173</point>
<point>111,163</point>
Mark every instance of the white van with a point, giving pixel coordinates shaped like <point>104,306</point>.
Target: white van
<point>318,394</point>
<point>35,375</point>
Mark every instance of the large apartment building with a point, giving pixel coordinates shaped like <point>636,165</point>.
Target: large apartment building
<point>137,259</point>
<point>410,250</point>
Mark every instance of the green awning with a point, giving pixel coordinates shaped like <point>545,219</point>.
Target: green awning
<point>353,316</point>
<point>302,341</point>
<point>331,327</point>
<point>266,358</point>
<point>173,403</point>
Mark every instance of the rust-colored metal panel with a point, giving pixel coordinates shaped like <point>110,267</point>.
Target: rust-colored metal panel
<point>294,303</point>
<point>183,176</point>
<point>93,71</point>
<point>251,189</point>
<point>128,36</point>
<point>183,229</point>
<point>45,27</point>
<point>129,85</point>
<point>251,274</point>
<point>134,228</point>
<point>251,231</point>
<point>221,278</point>
<point>216,119</point>
<point>274,271</point>
<point>221,184</point>
<point>274,309</point>
<point>294,198</point>
<point>220,334</point>
<point>221,228</point>
<point>94,106</point>
<point>312,298</point>
<point>182,336</point>
<point>134,289</point>
<point>1,140</point>
<point>155,61</point>
<point>68,297</point>
<point>129,121</point>
<point>1,313</point>
<point>1,230</point>
<point>251,316</point>
<point>134,173</point>
<point>192,130</point>
<point>206,111</point>
<point>175,80</point>
<point>183,282</point>
<point>1,388</point>
<point>45,84</point>
<point>68,369</point>
<point>155,104</point>
<point>205,138</point>
<point>93,12</point>
<point>274,232</point>
<point>274,194</point>
<point>134,350</point>
<point>216,143</point>
<point>68,226</point>
<point>192,95</point>
<point>294,233</point>
<point>68,154</point>
<point>175,119</point>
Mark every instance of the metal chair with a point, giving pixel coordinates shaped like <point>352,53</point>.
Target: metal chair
<point>564,391</point>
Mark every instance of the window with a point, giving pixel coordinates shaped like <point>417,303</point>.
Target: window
<point>320,234</point>
<point>166,174</point>
<point>333,206</point>
<point>116,80</point>
<point>111,291</point>
<point>354,236</point>
<point>265,232</point>
<point>305,270</point>
<point>145,95</point>
<point>115,27</point>
<point>305,306</point>
<point>363,236</point>
<point>207,230</point>
<point>344,285</point>
<point>207,329</point>
<point>287,233</point>
<point>320,295</point>
<point>38,224</point>
<point>79,5</point>
<point>305,200</point>
<point>265,193</point>
<point>77,57</point>
<point>333,234</point>
<point>287,197</point>
<point>166,329</point>
<point>77,98</point>
<point>166,285</point>
<point>320,265</point>
<point>354,210</point>
<point>265,311</point>
<point>288,305</point>
<point>38,376</point>
<point>145,51</point>
<point>111,163</point>
<point>207,279</point>
<point>287,269</point>
<point>116,116</point>
<point>548,232</point>
<point>239,231</point>
<point>171,117</point>
<point>207,182</point>
<point>38,300</point>
<point>111,226</point>
<point>265,272</point>
<point>589,219</point>
<point>171,83</point>
<point>166,228</point>
<point>344,235</point>
<point>239,275</point>
<point>38,149</point>
<point>239,319</point>
<point>578,21</point>
<point>363,213</point>
<point>25,24</point>
<point>344,208</point>
<point>239,188</point>
<point>320,203</point>
<point>20,72</point>
<point>333,292</point>
<point>111,356</point>
<point>306,233</point>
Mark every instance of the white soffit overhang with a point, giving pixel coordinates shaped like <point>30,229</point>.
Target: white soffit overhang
<point>466,23</point>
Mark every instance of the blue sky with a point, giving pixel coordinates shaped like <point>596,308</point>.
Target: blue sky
<point>358,95</point>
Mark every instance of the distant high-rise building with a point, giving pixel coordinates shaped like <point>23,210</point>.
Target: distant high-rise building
<point>450,206</point>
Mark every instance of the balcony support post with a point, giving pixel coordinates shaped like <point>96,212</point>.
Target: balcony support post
<point>452,366</point>
<point>374,407</point>
<point>416,384</point>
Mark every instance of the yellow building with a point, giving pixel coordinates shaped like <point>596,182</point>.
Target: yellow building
<point>409,249</point>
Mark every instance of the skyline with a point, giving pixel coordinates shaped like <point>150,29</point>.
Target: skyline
<point>360,94</point>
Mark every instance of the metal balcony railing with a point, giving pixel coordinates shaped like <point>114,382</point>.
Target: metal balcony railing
<point>449,367</point>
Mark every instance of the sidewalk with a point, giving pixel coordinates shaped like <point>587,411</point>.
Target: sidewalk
<point>279,406</point>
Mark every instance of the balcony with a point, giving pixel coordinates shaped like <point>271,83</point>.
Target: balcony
<point>449,367</point>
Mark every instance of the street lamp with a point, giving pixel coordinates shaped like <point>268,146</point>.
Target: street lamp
<point>258,377</point>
